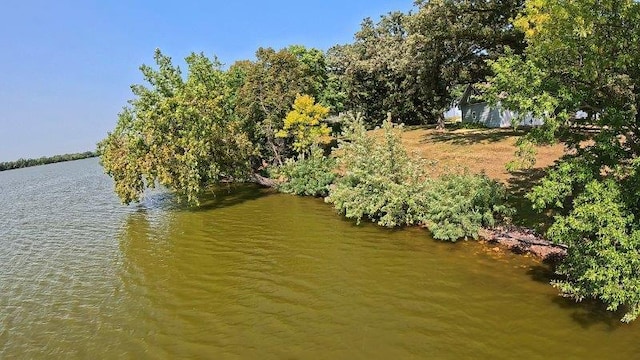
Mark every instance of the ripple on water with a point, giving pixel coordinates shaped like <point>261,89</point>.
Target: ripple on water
<point>252,274</point>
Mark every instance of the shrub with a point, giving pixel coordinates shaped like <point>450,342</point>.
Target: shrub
<point>310,176</point>
<point>382,183</point>
<point>303,123</point>
<point>379,182</point>
<point>456,206</point>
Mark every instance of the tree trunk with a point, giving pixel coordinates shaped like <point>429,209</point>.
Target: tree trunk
<point>276,154</point>
<point>440,125</point>
<point>263,181</point>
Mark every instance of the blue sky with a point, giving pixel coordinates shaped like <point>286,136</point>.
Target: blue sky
<point>66,66</point>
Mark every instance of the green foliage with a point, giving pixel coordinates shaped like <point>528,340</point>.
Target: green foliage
<point>313,64</point>
<point>303,123</point>
<point>412,64</point>
<point>525,156</point>
<point>373,71</point>
<point>380,181</point>
<point>456,206</point>
<point>603,260</point>
<point>575,62</point>
<point>383,184</point>
<point>179,133</point>
<point>595,220</point>
<point>562,183</point>
<point>309,176</point>
<point>450,43</point>
<point>583,56</point>
<point>22,163</point>
<point>269,88</point>
<point>521,80</point>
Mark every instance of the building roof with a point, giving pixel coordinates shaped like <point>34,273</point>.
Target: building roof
<point>476,94</point>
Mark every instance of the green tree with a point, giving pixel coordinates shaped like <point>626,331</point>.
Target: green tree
<point>20,163</point>
<point>412,64</point>
<point>372,72</point>
<point>383,183</point>
<point>313,65</point>
<point>308,176</point>
<point>304,124</point>
<point>457,205</point>
<point>449,44</point>
<point>180,133</point>
<point>583,55</point>
<point>270,86</point>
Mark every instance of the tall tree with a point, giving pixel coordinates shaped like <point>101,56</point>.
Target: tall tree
<point>410,64</point>
<point>181,133</point>
<point>304,124</point>
<point>270,86</point>
<point>373,70</point>
<point>584,55</point>
<point>450,42</point>
<point>313,65</point>
<point>21,163</point>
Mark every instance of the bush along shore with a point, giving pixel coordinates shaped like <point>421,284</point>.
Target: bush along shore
<point>374,179</point>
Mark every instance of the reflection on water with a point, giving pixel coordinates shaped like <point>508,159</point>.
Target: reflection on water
<point>252,274</point>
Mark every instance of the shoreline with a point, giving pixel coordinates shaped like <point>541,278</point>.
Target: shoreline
<point>517,239</point>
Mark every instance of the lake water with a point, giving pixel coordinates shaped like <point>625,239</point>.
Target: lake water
<point>257,275</point>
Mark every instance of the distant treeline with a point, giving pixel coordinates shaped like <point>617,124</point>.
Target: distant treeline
<point>22,163</point>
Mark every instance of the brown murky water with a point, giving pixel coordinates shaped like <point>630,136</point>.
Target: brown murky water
<point>256,275</point>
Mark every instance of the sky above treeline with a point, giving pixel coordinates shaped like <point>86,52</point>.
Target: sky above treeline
<point>66,66</point>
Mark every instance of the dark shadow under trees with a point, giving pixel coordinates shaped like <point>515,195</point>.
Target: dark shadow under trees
<point>519,186</point>
<point>472,136</point>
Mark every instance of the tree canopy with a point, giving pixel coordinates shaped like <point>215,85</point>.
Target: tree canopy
<point>451,41</point>
<point>303,123</point>
<point>584,56</point>
<point>270,86</point>
<point>181,133</point>
<point>22,163</point>
<point>373,70</point>
<point>411,64</point>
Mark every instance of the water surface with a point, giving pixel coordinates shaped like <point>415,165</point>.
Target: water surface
<point>257,275</point>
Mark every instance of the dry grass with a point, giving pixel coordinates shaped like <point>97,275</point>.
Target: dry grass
<point>479,150</point>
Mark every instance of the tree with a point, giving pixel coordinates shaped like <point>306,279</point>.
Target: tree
<point>308,176</point>
<point>372,73</point>
<point>383,183</point>
<point>180,133</point>
<point>411,64</point>
<point>20,163</point>
<point>304,124</point>
<point>583,55</point>
<point>380,181</point>
<point>335,93</point>
<point>270,86</point>
<point>313,64</point>
<point>450,42</point>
